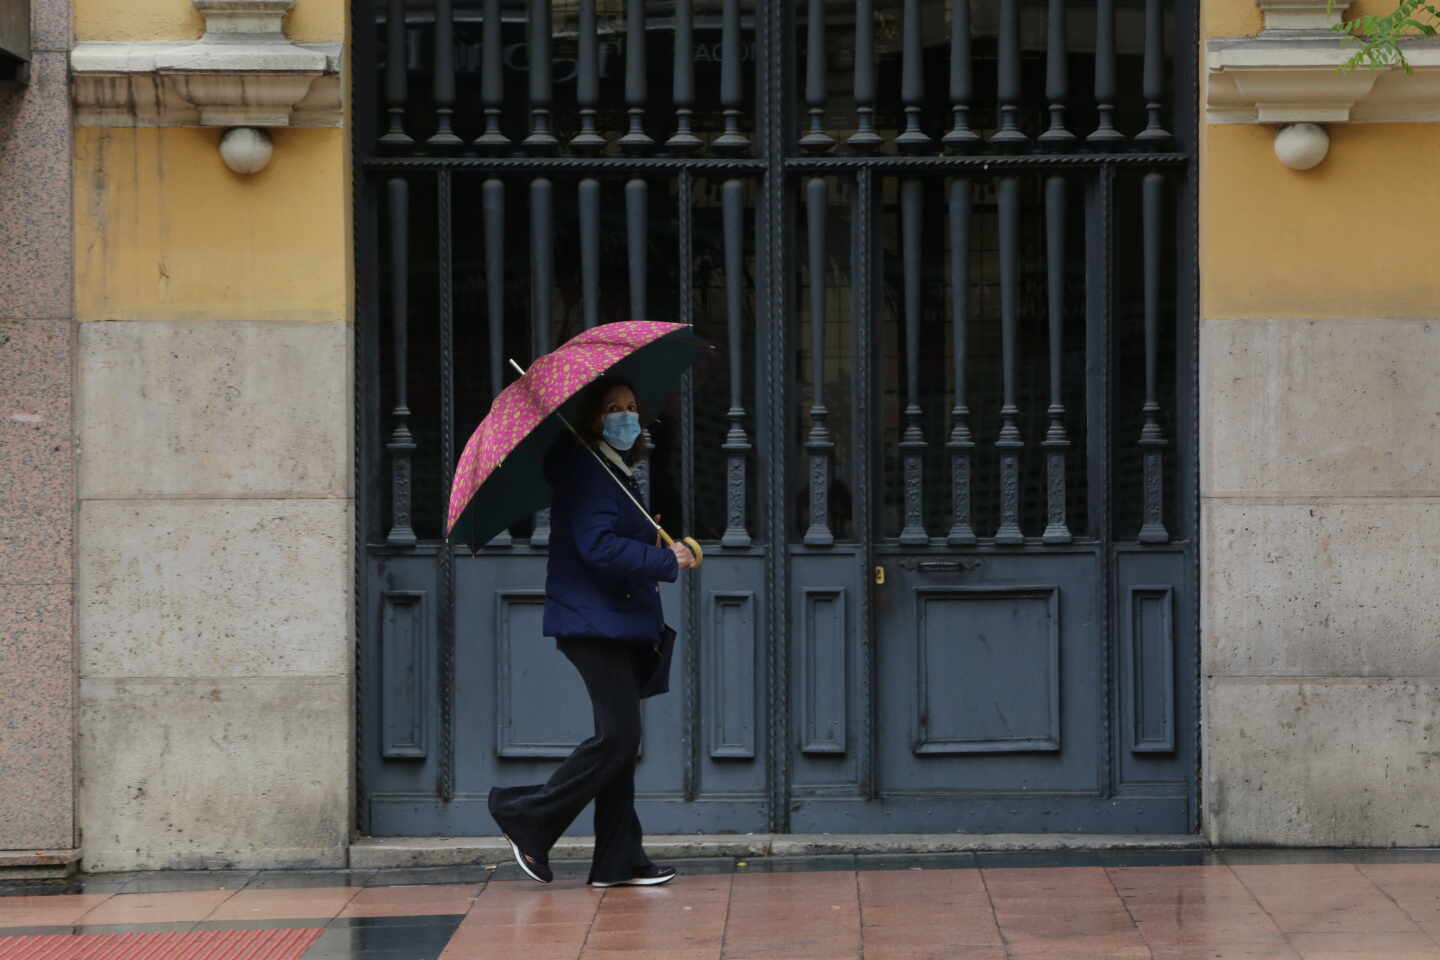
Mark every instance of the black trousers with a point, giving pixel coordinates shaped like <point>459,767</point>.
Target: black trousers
<point>601,769</point>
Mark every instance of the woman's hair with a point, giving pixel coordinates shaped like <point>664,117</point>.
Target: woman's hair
<point>591,400</point>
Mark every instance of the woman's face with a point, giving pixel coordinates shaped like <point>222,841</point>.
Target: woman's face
<point>619,399</point>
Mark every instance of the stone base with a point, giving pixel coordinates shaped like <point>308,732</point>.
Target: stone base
<point>18,865</point>
<point>378,853</point>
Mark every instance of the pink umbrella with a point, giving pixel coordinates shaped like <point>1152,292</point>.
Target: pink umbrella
<point>500,476</point>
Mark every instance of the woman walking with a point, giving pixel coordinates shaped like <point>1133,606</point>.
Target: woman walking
<point>602,604</point>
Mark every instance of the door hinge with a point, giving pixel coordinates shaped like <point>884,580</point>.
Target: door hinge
<point>879,575</point>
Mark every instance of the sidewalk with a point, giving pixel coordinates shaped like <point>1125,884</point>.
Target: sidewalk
<point>965,906</point>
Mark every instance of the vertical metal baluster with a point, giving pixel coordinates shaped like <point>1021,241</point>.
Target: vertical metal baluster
<point>737,443</point>
<point>635,76</point>
<point>445,263</point>
<point>819,443</point>
<point>730,87</point>
<point>1008,75</point>
<point>492,84</point>
<point>1152,435</point>
<point>401,445</point>
<point>587,82</point>
<point>962,442</point>
<point>1105,132</point>
<point>1057,77</point>
<point>960,135</point>
<point>815,139</point>
<point>912,80</point>
<point>590,251</point>
<point>684,138</point>
<point>541,87</point>
<point>1154,77</point>
<point>1009,444</point>
<point>864,138</point>
<point>492,202</point>
<point>690,737</point>
<point>1056,439</point>
<point>396,75</point>
<point>444,136</point>
<point>637,233</point>
<point>542,290</point>
<point>912,445</point>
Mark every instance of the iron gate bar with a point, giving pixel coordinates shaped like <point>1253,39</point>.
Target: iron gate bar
<point>690,588</point>
<point>960,136</point>
<point>542,83</point>
<point>962,442</point>
<point>737,444</point>
<point>1056,441</point>
<point>1153,79</point>
<point>912,79</point>
<point>1008,77</point>
<point>637,235</point>
<point>683,83</point>
<point>1009,443</point>
<point>492,194</point>
<point>1099,306</point>
<point>587,82</point>
<point>896,165</point>
<point>444,269</point>
<point>395,75</point>
<point>612,166</point>
<point>542,283</point>
<point>492,86</point>
<point>815,139</point>
<point>912,443</point>
<point>862,284</point>
<point>1152,435</point>
<point>635,76</point>
<point>401,445</point>
<point>731,140</point>
<point>444,89</point>
<point>1105,133</point>
<point>1057,77</point>
<point>819,444</point>
<point>865,138</point>
<point>589,196</point>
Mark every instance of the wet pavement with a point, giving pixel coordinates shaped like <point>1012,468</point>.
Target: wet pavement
<point>1253,904</point>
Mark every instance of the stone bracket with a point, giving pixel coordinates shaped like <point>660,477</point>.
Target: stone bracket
<point>243,72</point>
<point>1290,73</point>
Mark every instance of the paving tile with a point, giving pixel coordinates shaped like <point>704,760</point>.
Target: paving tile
<point>309,902</point>
<point>413,901</point>
<point>474,873</point>
<point>46,910</point>
<point>301,879</point>
<point>1242,855</point>
<point>1431,855</point>
<point>655,938</point>
<point>1240,951</point>
<point>1351,946</point>
<point>708,953</point>
<point>914,938</point>
<point>916,862</point>
<point>157,907</point>
<point>934,953</point>
<point>188,881</point>
<point>814,864</point>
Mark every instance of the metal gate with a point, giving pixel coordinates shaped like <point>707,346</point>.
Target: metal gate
<point>944,466</point>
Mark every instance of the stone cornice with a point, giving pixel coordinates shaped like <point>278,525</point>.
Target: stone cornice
<point>244,72</point>
<point>1290,73</point>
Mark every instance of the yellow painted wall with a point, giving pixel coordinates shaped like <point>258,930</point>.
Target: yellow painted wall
<point>311,21</point>
<point>1350,238</point>
<point>164,230</point>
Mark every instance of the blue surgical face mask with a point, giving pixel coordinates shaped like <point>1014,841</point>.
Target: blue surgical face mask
<point>622,429</point>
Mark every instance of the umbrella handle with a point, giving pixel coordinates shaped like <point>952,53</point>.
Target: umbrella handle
<point>690,542</point>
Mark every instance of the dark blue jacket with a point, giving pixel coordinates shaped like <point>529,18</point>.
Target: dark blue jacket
<point>604,568</point>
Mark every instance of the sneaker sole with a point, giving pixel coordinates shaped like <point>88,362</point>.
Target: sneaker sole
<point>520,861</point>
<point>639,882</point>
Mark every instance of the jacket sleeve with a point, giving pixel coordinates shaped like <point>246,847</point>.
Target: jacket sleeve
<point>601,548</point>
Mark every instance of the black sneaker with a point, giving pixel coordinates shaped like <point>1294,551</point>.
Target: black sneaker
<point>651,876</point>
<point>536,867</point>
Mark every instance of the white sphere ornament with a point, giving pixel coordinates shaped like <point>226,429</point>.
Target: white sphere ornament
<point>1301,146</point>
<point>246,150</point>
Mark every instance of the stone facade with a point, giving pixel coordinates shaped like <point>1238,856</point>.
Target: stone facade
<point>37,455</point>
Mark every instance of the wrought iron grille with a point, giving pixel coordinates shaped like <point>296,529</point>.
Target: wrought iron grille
<point>896,217</point>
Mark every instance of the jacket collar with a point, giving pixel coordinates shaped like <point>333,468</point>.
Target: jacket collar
<point>609,453</point>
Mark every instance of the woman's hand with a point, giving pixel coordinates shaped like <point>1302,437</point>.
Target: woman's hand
<point>683,556</point>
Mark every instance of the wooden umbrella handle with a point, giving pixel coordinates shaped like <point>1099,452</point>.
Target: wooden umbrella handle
<point>690,542</point>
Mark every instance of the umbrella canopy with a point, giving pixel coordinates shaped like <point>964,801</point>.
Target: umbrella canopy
<point>500,477</point>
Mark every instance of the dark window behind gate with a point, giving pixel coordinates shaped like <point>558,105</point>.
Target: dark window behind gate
<point>944,463</point>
